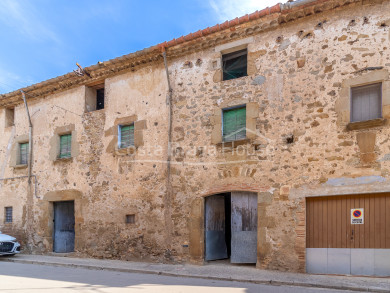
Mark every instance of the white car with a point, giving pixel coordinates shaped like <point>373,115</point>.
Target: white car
<point>8,245</point>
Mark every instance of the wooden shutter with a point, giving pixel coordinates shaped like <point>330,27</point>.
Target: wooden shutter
<point>127,136</point>
<point>366,102</point>
<point>23,149</point>
<point>234,123</point>
<point>65,146</point>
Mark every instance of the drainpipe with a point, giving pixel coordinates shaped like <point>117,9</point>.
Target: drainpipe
<point>29,138</point>
<point>30,198</point>
<point>167,201</point>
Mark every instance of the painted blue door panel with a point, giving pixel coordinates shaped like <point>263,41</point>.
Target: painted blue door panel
<point>64,233</point>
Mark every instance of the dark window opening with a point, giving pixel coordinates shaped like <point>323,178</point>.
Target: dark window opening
<point>130,219</point>
<point>8,214</point>
<point>234,65</point>
<point>100,99</point>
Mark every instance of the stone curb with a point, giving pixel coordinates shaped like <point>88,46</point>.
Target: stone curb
<point>208,277</point>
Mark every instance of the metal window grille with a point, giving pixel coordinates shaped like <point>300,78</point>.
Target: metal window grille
<point>23,150</point>
<point>130,219</point>
<point>366,102</point>
<point>65,146</point>
<point>8,214</point>
<point>234,124</point>
<point>126,136</point>
<point>234,65</point>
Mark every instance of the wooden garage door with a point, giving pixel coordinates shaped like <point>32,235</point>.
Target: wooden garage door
<point>328,221</point>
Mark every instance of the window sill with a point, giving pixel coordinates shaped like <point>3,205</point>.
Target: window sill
<point>233,79</point>
<point>21,166</point>
<point>70,159</point>
<point>234,143</point>
<point>366,124</point>
<point>94,111</point>
<point>125,151</point>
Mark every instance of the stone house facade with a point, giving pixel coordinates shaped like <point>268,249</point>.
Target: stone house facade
<point>309,68</point>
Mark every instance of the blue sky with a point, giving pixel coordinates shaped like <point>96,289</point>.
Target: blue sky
<point>42,39</point>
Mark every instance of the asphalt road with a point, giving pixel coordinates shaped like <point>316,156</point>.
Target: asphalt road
<point>16,278</point>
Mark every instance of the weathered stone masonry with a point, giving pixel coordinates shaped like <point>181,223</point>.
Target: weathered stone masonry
<point>300,66</point>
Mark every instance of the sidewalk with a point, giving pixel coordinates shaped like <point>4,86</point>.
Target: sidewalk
<point>213,271</point>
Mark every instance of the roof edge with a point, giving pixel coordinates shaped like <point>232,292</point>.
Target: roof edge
<point>69,80</point>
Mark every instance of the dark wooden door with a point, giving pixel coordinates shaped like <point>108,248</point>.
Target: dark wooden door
<point>215,227</point>
<point>64,221</point>
<point>244,227</point>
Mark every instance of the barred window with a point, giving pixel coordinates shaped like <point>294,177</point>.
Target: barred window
<point>8,214</point>
<point>23,153</point>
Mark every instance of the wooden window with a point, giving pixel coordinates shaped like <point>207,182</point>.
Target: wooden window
<point>65,146</point>
<point>234,65</point>
<point>8,214</point>
<point>126,136</point>
<point>23,153</point>
<point>130,219</point>
<point>234,124</point>
<point>366,102</point>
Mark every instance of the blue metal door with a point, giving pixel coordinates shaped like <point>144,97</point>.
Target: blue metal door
<point>244,227</point>
<point>64,226</point>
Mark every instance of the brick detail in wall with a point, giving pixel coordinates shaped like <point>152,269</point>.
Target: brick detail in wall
<point>300,231</point>
<point>236,187</point>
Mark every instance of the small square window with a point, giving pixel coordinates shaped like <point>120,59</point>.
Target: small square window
<point>65,146</point>
<point>126,136</point>
<point>234,124</point>
<point>366,102</point>
<point>8,214</point>
<point>234,65</point>
<point>130,219</point>
<point>23,153</point>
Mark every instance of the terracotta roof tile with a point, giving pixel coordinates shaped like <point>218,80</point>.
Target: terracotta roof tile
<point>192,36</point>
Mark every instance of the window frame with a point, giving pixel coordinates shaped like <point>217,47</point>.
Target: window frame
<point>69,153</point>
<point>232,55</point>
<point>120,136</point>
<point>8,218</point>
<point>20,161</point>
<point>352,88</point>
<point>243,106</point>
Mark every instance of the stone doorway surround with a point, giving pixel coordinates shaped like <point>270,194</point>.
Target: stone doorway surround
<point>197,221</point>
<point>46,223</point>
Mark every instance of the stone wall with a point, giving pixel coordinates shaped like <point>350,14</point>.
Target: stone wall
<point>299,145</point>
